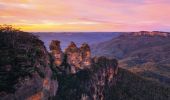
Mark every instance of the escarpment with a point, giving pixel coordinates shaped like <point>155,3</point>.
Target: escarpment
<point>25,72</point>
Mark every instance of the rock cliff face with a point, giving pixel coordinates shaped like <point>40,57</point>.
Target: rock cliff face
<point>89,84</point>
<point>25,72</point>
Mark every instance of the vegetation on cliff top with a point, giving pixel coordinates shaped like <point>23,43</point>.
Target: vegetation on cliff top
<point>130,86</point>
<point>20,55</point>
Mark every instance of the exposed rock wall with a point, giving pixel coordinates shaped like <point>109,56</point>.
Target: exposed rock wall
<point>25,72</point>
<point>89,84</point>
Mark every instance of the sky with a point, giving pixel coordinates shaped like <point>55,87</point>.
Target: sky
<point>86,15</point>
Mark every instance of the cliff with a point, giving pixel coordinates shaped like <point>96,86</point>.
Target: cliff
<point>25,72</point>
<point>88,84</point>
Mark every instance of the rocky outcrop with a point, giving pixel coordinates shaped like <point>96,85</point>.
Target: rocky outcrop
<point>88,78</point>
<point>89,84</point>
<point>56,52</point>
<point>73,57</point>
<point>86,55</point>
<point>25,72</point>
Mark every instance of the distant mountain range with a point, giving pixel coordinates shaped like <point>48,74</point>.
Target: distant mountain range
<point>145,53</point>
<point>77,37</point>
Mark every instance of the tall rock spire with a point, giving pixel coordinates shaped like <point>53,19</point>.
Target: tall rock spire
<point>86,55</point>
<point>73,57</point>
<point>56,52</point>
<point>76,58</point>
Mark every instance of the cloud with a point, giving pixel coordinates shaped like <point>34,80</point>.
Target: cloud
<point>16,5</point>
<point>103,15</point>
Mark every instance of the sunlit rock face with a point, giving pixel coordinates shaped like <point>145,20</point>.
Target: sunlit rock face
<point>74,57</point>
<point>56,52</point>
<point>78,58</point>
<point>86,55</point>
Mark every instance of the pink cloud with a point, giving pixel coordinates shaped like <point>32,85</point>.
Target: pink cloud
<point>112,15</point>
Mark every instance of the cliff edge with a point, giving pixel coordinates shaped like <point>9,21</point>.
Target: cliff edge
<point>25,72</point>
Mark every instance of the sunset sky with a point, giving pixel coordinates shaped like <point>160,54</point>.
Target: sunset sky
<point>86,15</point>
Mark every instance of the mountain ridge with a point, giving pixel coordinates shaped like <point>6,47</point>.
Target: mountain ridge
<point>138,52</point>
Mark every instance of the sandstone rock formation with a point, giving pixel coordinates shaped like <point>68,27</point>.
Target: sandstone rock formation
<point>86,55</point>
<point>25,72</point>
<point>90,84</point>
<point>74,57</point>
<point>78,58</point>
<point>56,52</point>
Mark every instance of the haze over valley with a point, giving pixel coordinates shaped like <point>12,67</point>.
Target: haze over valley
<point>77,37</point>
